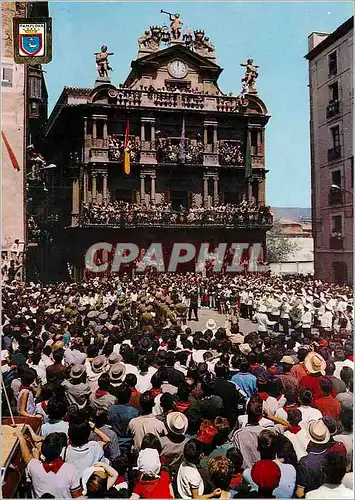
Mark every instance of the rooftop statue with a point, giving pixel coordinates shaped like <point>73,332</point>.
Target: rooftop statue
<point>250,76</point>
<point>202,44</point>
<point>176,24</point>
<point>150,39</point>
<point>102,63</point>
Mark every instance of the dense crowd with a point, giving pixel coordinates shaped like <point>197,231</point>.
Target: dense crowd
<point>136,404</point>
<point>122,212</point>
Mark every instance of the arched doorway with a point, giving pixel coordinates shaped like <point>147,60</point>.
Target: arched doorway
<point>340,272</point>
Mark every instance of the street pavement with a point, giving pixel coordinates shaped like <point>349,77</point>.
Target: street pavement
<point>245,326</point>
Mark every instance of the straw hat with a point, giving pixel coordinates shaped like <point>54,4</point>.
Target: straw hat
<point>314,363</point>
<point>117,372</point>
<point>177,423</point>
<point>318,432</point>
<point>287,360</point>
<point>98,364</point>
<point>77,371</point>
<point>245,349</point>
<point>211,324</point>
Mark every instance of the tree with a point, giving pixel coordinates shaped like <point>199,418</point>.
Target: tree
<point>279,246</point>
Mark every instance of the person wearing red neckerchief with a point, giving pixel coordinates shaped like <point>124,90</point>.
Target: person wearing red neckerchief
<point>52,475</point>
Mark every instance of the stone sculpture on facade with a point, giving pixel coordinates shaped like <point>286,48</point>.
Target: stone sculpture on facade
<point>250,76</point>
<point>151,39</point>
<point>202,44</point>
<point>176,24</point>
<point>102,63</point>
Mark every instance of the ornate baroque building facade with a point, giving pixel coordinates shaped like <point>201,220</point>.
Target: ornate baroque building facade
<point>192,149</point>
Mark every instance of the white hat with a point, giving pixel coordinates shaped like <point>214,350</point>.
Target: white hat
<point>149,462</point>
<point>245,349</point>
<point>318,432</point>
<point>211,324</point>
<point>177,423</point>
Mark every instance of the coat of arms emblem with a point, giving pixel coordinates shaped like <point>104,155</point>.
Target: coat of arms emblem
<point>32,40</point>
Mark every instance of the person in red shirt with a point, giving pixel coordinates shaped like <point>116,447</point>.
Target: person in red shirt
<point>131,381</point>
<point>299,370</point>
<point>315,365</point>
<point>326,404</point>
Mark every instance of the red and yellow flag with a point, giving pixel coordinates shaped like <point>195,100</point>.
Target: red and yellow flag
<point>10,152</point>
<point>127,153</point>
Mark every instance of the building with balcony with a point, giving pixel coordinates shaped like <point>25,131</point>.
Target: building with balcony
<point>330,58</point>
<point>24,112</point>
<point>197,156</point>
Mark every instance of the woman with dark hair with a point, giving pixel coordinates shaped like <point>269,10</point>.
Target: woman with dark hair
<point>52,475</point>
<point>26,401</point>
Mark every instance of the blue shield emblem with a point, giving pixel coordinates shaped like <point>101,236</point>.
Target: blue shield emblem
<point>31,44</point>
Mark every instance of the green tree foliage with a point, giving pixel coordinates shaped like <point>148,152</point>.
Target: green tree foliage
<point>279,246</point>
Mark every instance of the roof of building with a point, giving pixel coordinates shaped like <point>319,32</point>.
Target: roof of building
<point>333,37</point>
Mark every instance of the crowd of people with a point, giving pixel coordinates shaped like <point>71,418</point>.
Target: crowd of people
<point>122,213</point>
<point>136,403</point>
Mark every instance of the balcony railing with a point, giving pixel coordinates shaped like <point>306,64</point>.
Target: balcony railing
<point>189,151</point>
<point>173,150</point>
<point>335,197</point>
<point>334,153</point>
<point>336,242</point>
<point>333,109</point>
<point>175,219</point>
<point>185,100</point>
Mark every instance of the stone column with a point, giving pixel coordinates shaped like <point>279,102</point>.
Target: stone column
<point>94,131</point>
<point>142,131</point>
<point>105,133</point>
<point>205,192</point>
<point>142,188</point>
<point>261,192</point>
<point>205,134</point>
<point>152,189</point>
<point>215,191</point>
<point>214,138</point>
<point>85,194</point>
<point>152,133</point>
<point>75,202</point>
<point>93,187</point>
<point>104,188</point>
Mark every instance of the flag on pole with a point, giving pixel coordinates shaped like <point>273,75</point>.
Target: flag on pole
<point>182,155</point>
<point>248,167</point>
<point>10,152</point>
<point>127,152</point>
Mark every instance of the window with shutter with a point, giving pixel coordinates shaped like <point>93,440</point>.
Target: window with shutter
<point>6,76</point>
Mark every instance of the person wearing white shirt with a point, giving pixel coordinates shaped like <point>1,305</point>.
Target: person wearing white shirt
<point>285,309</point>
<point>262,320</point>
<point>306,321</point>
<point>334,470</point>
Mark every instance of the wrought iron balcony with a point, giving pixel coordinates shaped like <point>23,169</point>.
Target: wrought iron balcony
<point>333,109</point>
<point>172,150</point>
<point>149,218</point>
<point>336,242</point>
<point>335,197</point>
<point>334,153</point>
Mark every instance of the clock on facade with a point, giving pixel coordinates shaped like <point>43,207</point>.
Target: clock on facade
<point>178,69</point>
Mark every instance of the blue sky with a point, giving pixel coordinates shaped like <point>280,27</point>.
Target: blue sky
<point>274,34</point>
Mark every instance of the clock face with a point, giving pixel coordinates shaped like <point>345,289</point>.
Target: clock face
<point>178,69</point>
